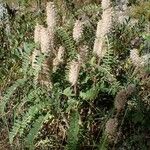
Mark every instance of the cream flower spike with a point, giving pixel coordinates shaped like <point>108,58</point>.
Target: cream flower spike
<point>78,30</point>
<point>107,21</point>
<point>45,41</point>
<point>98,31</point>
<point>74,72</point>
<point>104,27</point>
<point>51,15</point>
<point>37,31</point>
<point>105,4</point>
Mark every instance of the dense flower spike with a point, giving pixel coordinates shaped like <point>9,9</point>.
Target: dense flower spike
<point>100,47</point>
<point>122,97</point>
<point>37,39</point>
<point>103,28</point>
<point>78,30</point>
<point>51,21</point>
<point>37,33</point>
<point>98,31</point>
<point>47,50</point>
<point>111,128</point>
<point>74,72</point>
<point>45,41</point>
<point>106,4</point>
<point>51,15</point>
<point>106,21</point>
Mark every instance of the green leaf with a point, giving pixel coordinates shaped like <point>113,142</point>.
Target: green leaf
<point>73,131</point>
<point>68,92</point>
<point>35,130</point>
<point>90,94</point>
<point>9,92</point>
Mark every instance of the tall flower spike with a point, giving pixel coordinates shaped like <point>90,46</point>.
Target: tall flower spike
<point>37,32</point>
<point>107,20</point>
<point>100,47</point>
<point>45,41</point>
<point>74,72</point>
<point>47,50</point>
<point>78,30</point>
<point>51,21</point>
<point>98,31</point>
<point>105,4</point>
<point>103,28</point>
<point>51,15</point>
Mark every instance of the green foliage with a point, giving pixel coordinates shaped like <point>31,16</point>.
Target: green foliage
<point>73,117</point>
<point>141,9</point>
<point>21,125</point>
<point>35,130</point>
<point>73,131</point>
<point>9,92</point>
<point>88,9</point>
<point>91,94</point>
<point>67,41</point>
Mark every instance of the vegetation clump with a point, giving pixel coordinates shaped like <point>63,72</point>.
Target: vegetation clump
<point>75,75</point>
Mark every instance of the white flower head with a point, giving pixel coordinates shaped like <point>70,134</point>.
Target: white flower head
<point>107,21</point>
<point>105,4</point>
<point>45,41</point>
<point>99,28</point>
<point>78,30</point>
<point>74,72</point>
<point>51,15</point>
<point>104,27</point>
<point>100,47</point>
<point>37,33</point>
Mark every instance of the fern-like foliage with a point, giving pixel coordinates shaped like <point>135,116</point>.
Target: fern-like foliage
<point>73,131</point>
<point>9,92</point>
<point>67,41</point>
<point>35,130</point>
<point>20,125</point>
<point>26,57</point>
<point>88,9</point>
<point>90,94</point>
